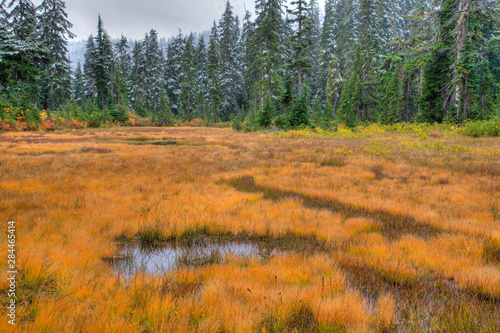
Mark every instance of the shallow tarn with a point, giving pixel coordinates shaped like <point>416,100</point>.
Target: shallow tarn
<point>135,258</point>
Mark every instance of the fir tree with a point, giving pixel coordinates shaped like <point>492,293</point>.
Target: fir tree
<point>389,87</point>
<point>346,32</point>
<point>333,84</point>
<point>188,78</point>
<point>103,65</point>
<point>122,71</point>
<point>299,114</point>
<point>313,50</point>
<point>300,62</point>
<point>327,43</point>
<point>138,79</point>
<point>213,71</point>
<point>23,19</point>
<point>88,70</point>
<point>173,70</point>
<point>54,30</point>
<point>437,95</point>
<point>250,73</point>
<point>22,54</point>
<point>229,77</point>
<point>201,84</point>
<point>79,85</point>
<point>154,66</point>
<point>267,41</point>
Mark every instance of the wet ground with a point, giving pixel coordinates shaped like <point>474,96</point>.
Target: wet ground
<point>133,258</point>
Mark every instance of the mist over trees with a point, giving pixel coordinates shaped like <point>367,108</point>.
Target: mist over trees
<point>362,61</point>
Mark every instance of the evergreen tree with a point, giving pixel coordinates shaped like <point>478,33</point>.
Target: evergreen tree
<point>471,16</point>
<point>346,30</point>
<point>23,19</point>
<point>213,71</point>
<point>267,41</point>
<point>123,65</point>
<point>437,95</point>
<point>201,84</point>
<point>299,114</point>
<point>327,43</point>
<point>54,29</point>
<point>351,100</point>
<point>79,85</point>
<point>22,54</point>
<point>88,70</point>
<point>389,87</point>
<point>173,70</point>
<point>138,79</point>
<point>300,62</point>
<point>250,73</point>
<point>154,66</point>
<point>103,65</point>
<point>188,78</point>
<point>333,84</point>
<point>229,77</point>
<point>313,50</point>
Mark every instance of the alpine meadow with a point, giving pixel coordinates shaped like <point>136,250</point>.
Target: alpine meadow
<point>309,167</point>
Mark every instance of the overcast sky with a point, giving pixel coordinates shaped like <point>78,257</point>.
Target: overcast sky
<point>134,18</point>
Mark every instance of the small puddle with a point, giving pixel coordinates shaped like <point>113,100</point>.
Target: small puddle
<point>133,258</point>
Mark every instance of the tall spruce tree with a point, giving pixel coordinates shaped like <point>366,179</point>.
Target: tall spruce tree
<point>79,85</point>
<point>250,72</point>
<point>123,63</point>
<point>313,50</point>
<point>213,71</point>
<point>228,42</point>
<point>103,65</point>
<point>90,91</point>
<point>138,79</point>
<point>267,41</point>
<point>23,53</point>
<point>188,77</point>
<point>22,18</point>
<point>437,93</point>
<point>54,30</point>
<point>154,67</point>
<point>173,69</point>
<point>327,43</point>
<point>300,62</point>
<point>201,84</point>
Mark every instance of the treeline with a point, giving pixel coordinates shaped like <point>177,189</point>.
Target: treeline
<point>365,61</point>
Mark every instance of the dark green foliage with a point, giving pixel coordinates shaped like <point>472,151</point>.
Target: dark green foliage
<point>188,78</point>
<point>164,115</point>
<point>213,71</point>
<point>102,66</point>
<point>236,123</point>
<point>54,29</point>
<point>33,118</point>
<point>485,128</point>
<point>97,118</point>
<point>436,101</point>
<point>371,60</point>
<point>264,117</point>
<point>282,122</point>
<point>389,89</point>
<point>267,41</point>
<point>300,62</point>
<point>299,115</point>
<point>119,114</point>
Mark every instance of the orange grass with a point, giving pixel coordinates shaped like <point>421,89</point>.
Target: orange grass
<point>385,221</point>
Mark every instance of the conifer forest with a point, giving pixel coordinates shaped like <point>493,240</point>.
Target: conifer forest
<point>311,166</point>
<point>286,64</point>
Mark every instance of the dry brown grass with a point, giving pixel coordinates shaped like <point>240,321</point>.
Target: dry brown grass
<point>385,235</point>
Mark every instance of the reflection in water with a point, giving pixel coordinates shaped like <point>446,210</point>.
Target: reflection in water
<point>133,258</point>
